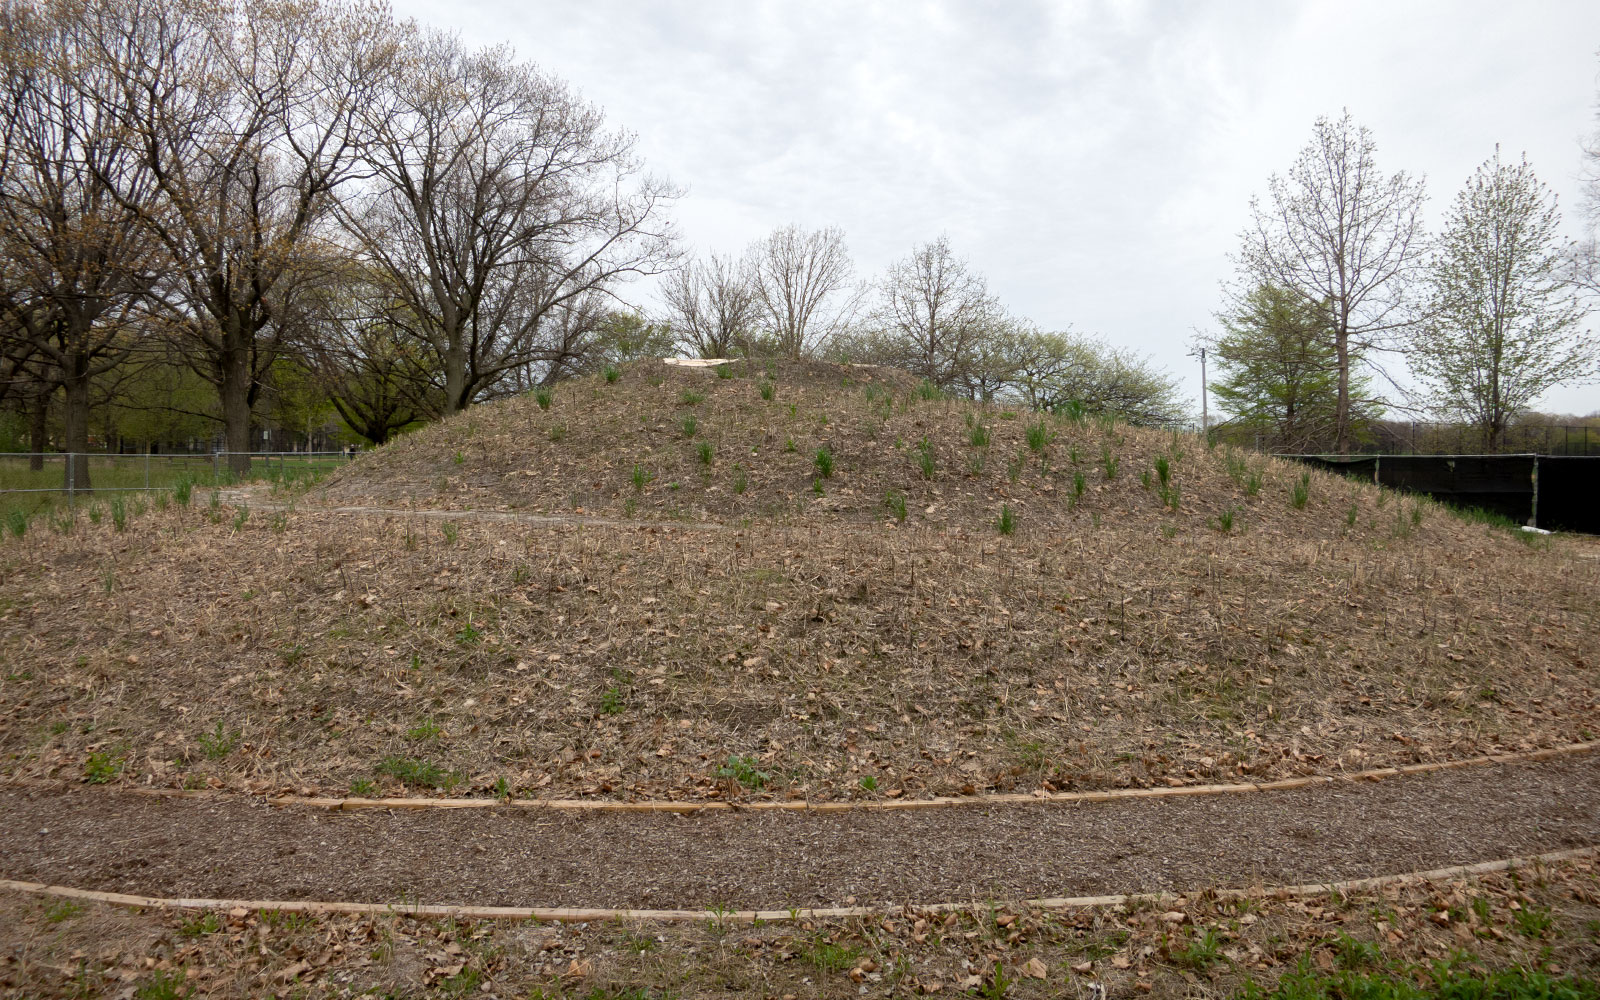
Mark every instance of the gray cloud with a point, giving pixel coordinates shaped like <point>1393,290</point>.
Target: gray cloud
<point>1094,160</point>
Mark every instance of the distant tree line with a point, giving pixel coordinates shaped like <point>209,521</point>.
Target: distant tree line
<point>1335,273</point>
<point>218,212</point>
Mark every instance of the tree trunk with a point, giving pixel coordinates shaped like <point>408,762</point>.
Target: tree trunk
<point>38,414</point>
<point>234,388</point>
<point>75,411</point>
<point>1341,413</point>
<point>455,375</point>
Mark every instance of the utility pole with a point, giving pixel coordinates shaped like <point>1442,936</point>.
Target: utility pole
<point>1205,412</point>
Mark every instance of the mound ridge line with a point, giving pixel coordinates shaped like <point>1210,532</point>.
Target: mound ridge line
<point>884,805</point>
<point>583,914</point>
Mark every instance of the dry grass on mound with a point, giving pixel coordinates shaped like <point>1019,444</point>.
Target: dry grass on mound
<point>833,443</point>
<point>1111,642</point>
<point>1542,922</point>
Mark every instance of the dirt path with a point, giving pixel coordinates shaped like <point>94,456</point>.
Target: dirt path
<point>104,840</point>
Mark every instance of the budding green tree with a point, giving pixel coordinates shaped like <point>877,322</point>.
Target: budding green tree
<point>1277,371</point>
<point>1341,233</point>
<point>1503,323</point>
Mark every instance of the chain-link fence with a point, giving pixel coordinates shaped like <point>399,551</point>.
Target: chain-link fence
<point>32,481</point>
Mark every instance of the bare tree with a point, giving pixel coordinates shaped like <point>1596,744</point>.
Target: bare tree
<point>376,377</point>
<point>499,204</point>
<point>246,114</point>
<point>940,310</point>
<point>1339,232</point>
<point>1503,318</point>
<point>805,286</point>
<point>713,305</point>
<point>1585,265</point>
<point>73,196</point>
<point>1053,370</point>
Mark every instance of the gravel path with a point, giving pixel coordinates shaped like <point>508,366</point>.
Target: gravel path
<point>240,848</point>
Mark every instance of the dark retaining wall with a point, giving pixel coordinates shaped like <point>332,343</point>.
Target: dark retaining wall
<point>1557,492</point>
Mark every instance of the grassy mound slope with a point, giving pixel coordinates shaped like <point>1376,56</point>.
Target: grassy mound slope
<point>794,442</point>
<point>1243,619</point>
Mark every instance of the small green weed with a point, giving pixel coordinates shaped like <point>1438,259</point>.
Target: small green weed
<point>1007,523</point>
<point>745,771</point>
<point>66,909</point>
<point>219,743</point>
<point>1533,921</point>
<point>1225,521</point>
<point>426,730</point>
<point>611,702</point>
<point>824,462</point>
<point>827,956</point>
<point>768,390</point>
<point>102,768</point>
<point>689,425</point>
<point>119,514</point>
<point>363,788</point>
<point>1108,461</point>
<point>183,491</point>
<point>612,374</point>
<point>705,452</point>
<point>543,397</point>
<point>557,432</point>
<point>741,482</point>
<point>1300,492</point>
<point>896,502</point>
<point>927,391</point>
<point>642,477</point>
<point>925,458</point>
<point>1198,952</point>
<point>419,773</point>
<point>164,985</point>
<point>1038,436</point>
<point>241,514</point>
<point>689,397</point>
<point>978,437</point>
<point>451,531</point>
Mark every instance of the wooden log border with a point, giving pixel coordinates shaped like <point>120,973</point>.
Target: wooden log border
<point>566,914</point>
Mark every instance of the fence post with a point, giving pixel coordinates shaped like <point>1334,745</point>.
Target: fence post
<point>72,473</point>
<point>147,467</point>
<point>1534,519</point>
<point>214,472</point>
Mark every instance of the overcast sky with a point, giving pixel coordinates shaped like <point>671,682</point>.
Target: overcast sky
<point>1094,161</point>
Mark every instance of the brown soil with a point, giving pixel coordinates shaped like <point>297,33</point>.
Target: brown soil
<point>235,848</point>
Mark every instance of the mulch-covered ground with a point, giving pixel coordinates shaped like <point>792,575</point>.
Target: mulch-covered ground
<point>236,848</point>
<point>1541,920</point>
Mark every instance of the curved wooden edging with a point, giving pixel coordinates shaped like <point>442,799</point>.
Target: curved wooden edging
<point>849,805</point>
<point>585,914</point>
